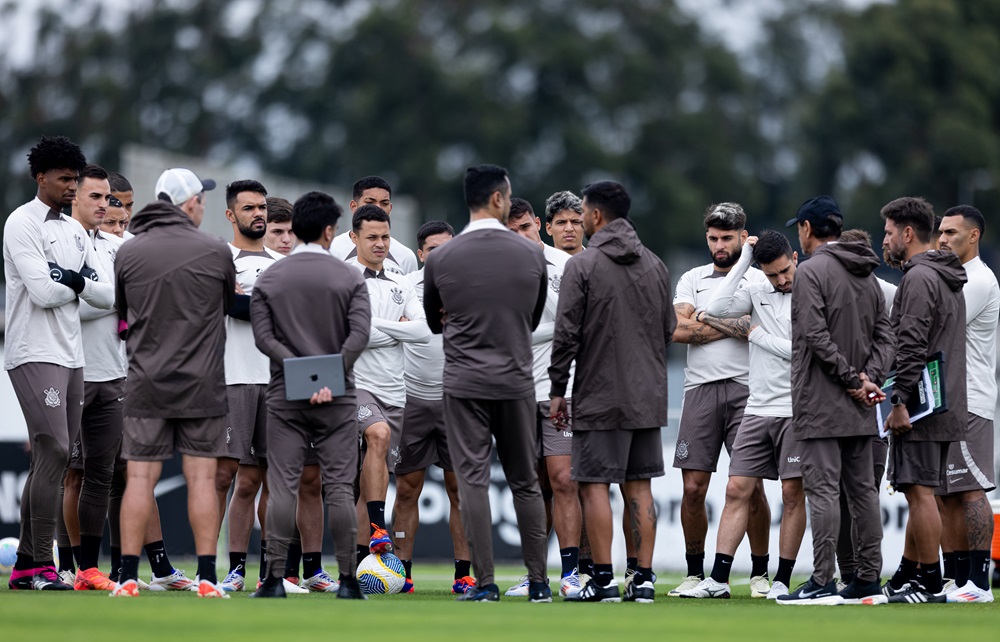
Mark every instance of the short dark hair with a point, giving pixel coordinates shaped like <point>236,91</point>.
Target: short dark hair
<point>519,207</point>
<point>55,152</point>
<point>561,201</point>
<point>236,188</point>
<point>936,230</point>
<point>770,247</point>
<point>312,213</point>
<point>911,211</point>
<point>857,235</point>
<point>92,171</point>
<point>729,217</point>
<point>481,182</point>
<point>969,213</point>
<point>370,182</point>
<point>431,228</point>
<point>279,210</point>
<point>608,196</point>
<point>119,183</point>
<point>368,213</point>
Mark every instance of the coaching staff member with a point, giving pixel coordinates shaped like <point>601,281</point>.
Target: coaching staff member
<point>485,292</point>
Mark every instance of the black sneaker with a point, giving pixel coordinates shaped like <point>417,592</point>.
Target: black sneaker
<point>889,591</point>
<point>350,589</point>
<point>813,594</point>
<point>46,579</point>
<point>861,592</point>
<point>539,592</point>
<point>591,592</point>
<point>641,593</point>
<point>917,594</point>
<point>485,593</point>
<point>271,587</point>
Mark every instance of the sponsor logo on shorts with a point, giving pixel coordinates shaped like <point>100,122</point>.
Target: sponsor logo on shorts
<point>396,456</point>
<point>568,434</point>
<point>955,471</point>
<point>364,412</point>
<point>794,460</point>
<point>52,398</point>
<point>555,282</point>
<point>397,296</point>
<point>229,434</point>
<point>682,449</point>
<point>252,452</point>
<point>76,450</point>
<point>120,399</point>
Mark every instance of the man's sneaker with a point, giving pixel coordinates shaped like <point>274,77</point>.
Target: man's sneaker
<point>812,593</point>
<point>841,584</point>
<point>591,592</point>
<point>686,584</point>
<point>861,592</point>
<point>207,589</point>
<point>270,587</point>
<point>916,594</point>
<point>538,592</point>
<point>487,593</point>
<point>47,579</point>
<point>350,589</point>
<point>759,586</point>
<point>571,584</point>
<point>290,589</point>
<point>380,542</point>
<point>93,580</point>
<point>889,591</point>
<point>463,585</point>
<point>21,580</point>
<point>520,589</point>
<point>640,593</point>
<point>777,588</point>
<point>129,589</point>
<point>234,582</point>
<point>68,577</point>
<point>948,586</point>
<point>629,576</point>
<point>321,582</point>
<point>142,584</point>
<point>709,588</point>
<point>176,581</point>
<point>408,586</point>
<point>294,580</point>
<point>970,593</point>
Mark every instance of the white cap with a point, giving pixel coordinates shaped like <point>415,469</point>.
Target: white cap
<point>180,184</point>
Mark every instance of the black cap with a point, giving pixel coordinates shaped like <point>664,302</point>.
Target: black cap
<point>817,208</point>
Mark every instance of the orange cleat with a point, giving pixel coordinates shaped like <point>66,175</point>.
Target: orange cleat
<point>128,589</point>
<point>93,579</point>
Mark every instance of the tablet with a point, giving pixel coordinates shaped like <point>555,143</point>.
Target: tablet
<point>305,376</point>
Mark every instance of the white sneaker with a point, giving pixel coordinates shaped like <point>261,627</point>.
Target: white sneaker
<point>708,588</point>
<point>67,577</point>
<point>233,583</point>
<point>294,589</point>
<point>778,588</point>
<point>949,586</point>
<point>759,586</point>
<point>841,584</point>
<point>520,589</point>
<point>968,594</point>
<point>687,584</point>
<point>321,582</point>
<point>176,581</point>
<point>570,585</point>
<point>142,585</point>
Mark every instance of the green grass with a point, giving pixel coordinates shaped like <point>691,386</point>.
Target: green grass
<point>432,614</point>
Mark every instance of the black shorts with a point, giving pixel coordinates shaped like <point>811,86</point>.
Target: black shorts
<point>616,456</point>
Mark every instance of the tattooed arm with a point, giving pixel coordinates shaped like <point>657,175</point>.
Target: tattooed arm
<point>738,328</point>
<point>691,331</point>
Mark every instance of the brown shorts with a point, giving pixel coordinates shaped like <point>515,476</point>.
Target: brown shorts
<point>710,417</point>
<point>616,456</point>
<point>766,447</point>
<point>553,442</point>
<point>970,462</point>
<point>156,439</point>
<point>103,421</point>
<point>51,398</point>
<point>424,441</point>
<point>246,435</point>
<point>917,463</point>
<point>372,410</point>
<point>328,432</point>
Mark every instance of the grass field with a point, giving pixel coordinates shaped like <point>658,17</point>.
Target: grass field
<point>432,614</point>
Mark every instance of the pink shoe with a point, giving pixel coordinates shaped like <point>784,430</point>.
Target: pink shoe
<point>21,580</point>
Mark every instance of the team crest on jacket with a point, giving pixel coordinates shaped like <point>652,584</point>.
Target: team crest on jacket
<point>555,282</point>
<point>79,242</point>
<point>397,296</point>
<point>682,449</point>
<point>52,398</point>
<point>364,412</point>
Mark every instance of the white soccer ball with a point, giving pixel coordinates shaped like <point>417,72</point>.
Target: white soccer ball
<point>8,554</point>
<point>382,574</point>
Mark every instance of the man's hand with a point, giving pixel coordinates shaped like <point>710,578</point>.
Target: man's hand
<point>751,241</point>
<point>899,421</point>
<point>868,394</point>
<point>69,278</point>
<point>558,412</point>
<point>88,272</point>
<point>403,319</point>
<point>239,290</point>
<point>321,397</point>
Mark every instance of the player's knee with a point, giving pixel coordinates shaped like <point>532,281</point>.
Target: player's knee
<point>738,491</point>
<point>377,439</point>
<point>247,486</point>
<point>562,483</point>
<point>694,491</point>
<point>792,496</point>
<point>224,476</point>
<point>73,480</point>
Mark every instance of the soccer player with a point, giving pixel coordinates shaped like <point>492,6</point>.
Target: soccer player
<point>556,444</point>
<point>564,221</point>
<point>765,446</point>
<point>374,190</point>
<point>967,518</point>
<point>397,317</point>
<point>615,321</point>
<point>121,190</point>
<point>838,363</point>
<point>49,266</point>
<point>114,219</point>
<point>715,393</point>
<point>280,236</point>
<point>310,304</point>
<point>485,292</point>
<point>174,286</point>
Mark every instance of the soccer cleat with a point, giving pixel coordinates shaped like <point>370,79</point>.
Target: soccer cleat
<point>591,592</point>
<point>291,589</point>
<point>686,584</point>
<point>812,594</point>
<point>142,584</point>
<point>21,580</point>
<point>234,582</point>
<point>47,579</point>
<point>93,580</point>
<point>778,588</point>
<point>948,586</point>
<point>487,593</point>
<point>520,589</point>
<point>916,594</point>
<point>759,586</point>
<point>129,589</point>
<point>539,592</point>
<point>68,577</point>
<point>629,576</point>
<point>176,581</point>
<point>350,589</point>
<point>408,586</point>
<point>207,589</point>
<point>380,542</point>
<point>968,594</point>
<point>889,591</point>
<point>462,585</point>
<point>861,592</point>
<point>294,580</point>
<point>571,584</point>
<point>321,582</point>
<point>709,588</point>
<point>270,587</point>
<point>640,593</point>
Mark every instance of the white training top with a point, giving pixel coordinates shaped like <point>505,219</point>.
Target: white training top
<point>982,312</point>
<point>399,260</point>
<point>245,364</point>
<point>770,343</point>
<point>423,363</point>
<point>104,352</point>
<point>724,359</point>
<point>379,369</point>
<point>43,317</point>
<point>541,338</point>
<point>888,293</point>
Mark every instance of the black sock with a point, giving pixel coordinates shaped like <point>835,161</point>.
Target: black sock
<point>632,563</point>
<point>570,557</point>
<point>116,563</point>
<point>979,569</point>
<point>643,574</point>
<point>263,559</point>
<point>363,552</point>
<point>696,564</point>
<point>76,554</point>
<point>586,566</point>
<point>784,574</point>
<point>907,571</point>
<point>408,565</point>
<point>949,565</point>
<point>929,576</point>
<point>238,563</point>
<point>293,559</point>
<point>24,563</point>
<point>722,567</point>
<point>758,565</point>
<point>206,569</point>
<point>604,574</point>
<point>66,559</point>
<point>90,550</point>
<point>156,553</point>
<point>311,563</point>
<point>847,578</point>
<point>130,568</point>
<point>962,567</point>
<point>463,568</point>
<point>376,514</point>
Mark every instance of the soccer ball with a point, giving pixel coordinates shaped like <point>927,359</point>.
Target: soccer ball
<point>8,554</point>
<point>381,574</point>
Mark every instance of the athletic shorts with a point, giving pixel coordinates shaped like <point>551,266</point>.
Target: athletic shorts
<point>766,447</point>
<point>102,423</point>
<point>325,432</point>
<point>917,463</point>
<point>156,439</point>
<point>553,442</point>
<point>616,456</point>
<point>970,462</point>
<point>372,410</point>
<point>246,434</point>
<point>423,441</point>
<point>710,417</point>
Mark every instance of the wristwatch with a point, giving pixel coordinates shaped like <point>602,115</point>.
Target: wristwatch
<point>896,401</point>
